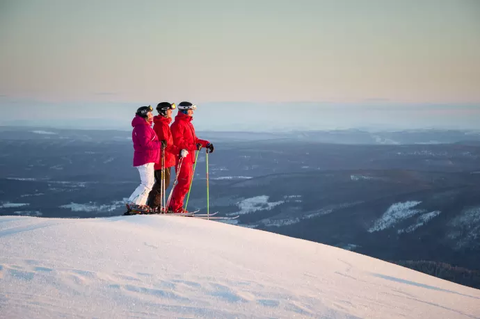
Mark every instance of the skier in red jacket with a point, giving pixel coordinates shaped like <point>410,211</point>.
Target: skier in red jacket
<point>187,142</point>
<point>162,129</point>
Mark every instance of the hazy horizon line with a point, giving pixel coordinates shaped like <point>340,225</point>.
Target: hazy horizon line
<point>68,127</point>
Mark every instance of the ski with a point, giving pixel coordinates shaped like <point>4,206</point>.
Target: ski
<point>205,215</point>
<point>137,212</point>
<point>134,211</point>
<point>140,212</point>
<point>218,217</point>
<point>191,214</point>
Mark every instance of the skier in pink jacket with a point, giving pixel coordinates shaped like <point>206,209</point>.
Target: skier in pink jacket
<point>146,154</point>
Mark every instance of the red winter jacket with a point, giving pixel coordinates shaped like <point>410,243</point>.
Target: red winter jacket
<point>162,128</point>
<point>145,142</point>
<point>184,136</point>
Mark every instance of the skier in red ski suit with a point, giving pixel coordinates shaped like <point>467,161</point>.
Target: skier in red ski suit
<point>185,139</point>
<point>162,129</point>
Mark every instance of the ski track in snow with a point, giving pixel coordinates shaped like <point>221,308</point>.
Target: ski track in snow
<point>160,267</point>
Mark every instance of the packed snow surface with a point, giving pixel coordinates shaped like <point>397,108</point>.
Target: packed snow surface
<point>178,267</point>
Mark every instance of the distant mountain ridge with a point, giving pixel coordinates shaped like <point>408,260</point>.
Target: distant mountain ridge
<point>348,136</point>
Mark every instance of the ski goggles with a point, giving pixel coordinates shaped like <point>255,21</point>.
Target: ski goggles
<point>189,107</point>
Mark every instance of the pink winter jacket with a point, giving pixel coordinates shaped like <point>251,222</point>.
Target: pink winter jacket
<point>145,142</point>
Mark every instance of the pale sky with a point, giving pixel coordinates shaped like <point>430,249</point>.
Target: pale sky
<point>263,53</point>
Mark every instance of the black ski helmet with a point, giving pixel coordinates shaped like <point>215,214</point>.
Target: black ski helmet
<point>143,111</point>
<point>185,106</point>
<point>162,107</point>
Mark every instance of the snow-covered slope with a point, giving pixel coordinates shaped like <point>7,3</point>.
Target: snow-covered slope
<point>175,267</point>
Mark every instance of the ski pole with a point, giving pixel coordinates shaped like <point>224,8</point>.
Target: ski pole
<point>162,185</point>
<point>191,182</point>
<point>208,195</point>
<point>175,182</point>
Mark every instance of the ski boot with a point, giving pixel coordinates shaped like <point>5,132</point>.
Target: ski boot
<point>134,209</point>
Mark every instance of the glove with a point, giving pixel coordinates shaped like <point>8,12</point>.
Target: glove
<point>164,144</point>
<point>199,146</point>
<point>183,153</point>
<point>210,148</point>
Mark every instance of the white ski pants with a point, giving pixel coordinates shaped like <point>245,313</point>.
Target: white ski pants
<point>147,178</point>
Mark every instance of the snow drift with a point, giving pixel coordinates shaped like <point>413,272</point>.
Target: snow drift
<point>170,267</point>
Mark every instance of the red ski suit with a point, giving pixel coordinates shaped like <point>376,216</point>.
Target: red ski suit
<point>184,137</point>
<point>162,128</point>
